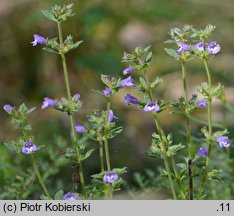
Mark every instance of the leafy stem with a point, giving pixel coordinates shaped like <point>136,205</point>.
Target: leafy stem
<point>162,138</point>
<point>210,141</point>
<point>36,170</point>
<point>106,135</point>
<point>101,154</point>
<point>39,176</point>
<point>71,114</point>
<point>108,188</point>
<point>188,124</point>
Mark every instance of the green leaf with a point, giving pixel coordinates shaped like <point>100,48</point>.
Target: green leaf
<point>31,110</point>
<point>142,81</point>
<point>147,48</point>
<point>172,53</point>
<point>212,175</point>
<point>98,175</point>
<point>87,154</point>
<point>172,150</point>
<point>47,49</point>
<point>149,57</point>
<point>59,195</point>
<point>43,197</point>
<point>155,83</point>
<point>76,44</point>
<point>49,15</point>
<point>97,91</point>
<point>120,171</point>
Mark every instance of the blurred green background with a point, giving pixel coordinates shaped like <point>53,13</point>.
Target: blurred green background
<point>108,28</point>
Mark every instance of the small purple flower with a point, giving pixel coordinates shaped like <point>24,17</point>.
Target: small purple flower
<point>80,128</point>
<point>107,92</point>
<point>213,48</point>
<point>48,102</point>
<point>111,116</point>
<point>182,46</point>
<point>110,177</point>
<point>70,196</point>
<point>38,40</point>
<point>77,96</point>
<point>29,147</point>
<point>130,99</point>
<point>128,70</point>
<point>200,46</point>
<point>128,82</point>
<point>202,151</point>
<point>7,107</point>
<point>151,107</point>
<point>223,141</point>
<point>202,103</point>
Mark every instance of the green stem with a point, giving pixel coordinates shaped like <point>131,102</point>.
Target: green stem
<point>209,128</point>
<point>165,159</point>
<point>163,140</point>
<point>188,124</point>
<point>178,178</point>
<point>101,155</point>
<point>39,177</point>
<point>36,169</point>
<point>106,135</point>
<point>80,168</point>
<point>108,188</point>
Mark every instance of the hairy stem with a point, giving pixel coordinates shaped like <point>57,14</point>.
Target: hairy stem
<point>39,176</point>
<point>188,125</point>
<point>36,170</point>
<point>101,155</point>
<point>163,140</point>
<point>210,130</point>
<point>177,176</point>
<point>165,159</point>
<point>79,162</point>
<point>190,173</point>
<point>108,188</point>
<point>106,135</point>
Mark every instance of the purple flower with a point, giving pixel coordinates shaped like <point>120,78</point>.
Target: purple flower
<point>110,177</point>
<point>29,147</point>
<point>48,102</point>
<point>202,103</point>
<point>128,70</point>
<point>7,107</point>
<point>128,82</point>
<point>202,151</point>
<point>107,92</point>
<point>70,196</point>
<point>151,107</point>
<point>200,46</point>
<point>182,46</point>
<point>80,128</point>
<point>130,99</point>
<point>77,96</point>
<point>38,40</point>
<point>223,141</point>
<point>213,48</point>
<point>111,116</point>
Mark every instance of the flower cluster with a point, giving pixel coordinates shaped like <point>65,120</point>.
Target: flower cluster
<point>224,141</point>
<point>110,177</point>
<point>212,48</point>
<point>29,147</point>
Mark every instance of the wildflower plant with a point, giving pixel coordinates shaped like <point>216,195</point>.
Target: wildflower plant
<point>24,144</point>
<point>187,164</point>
